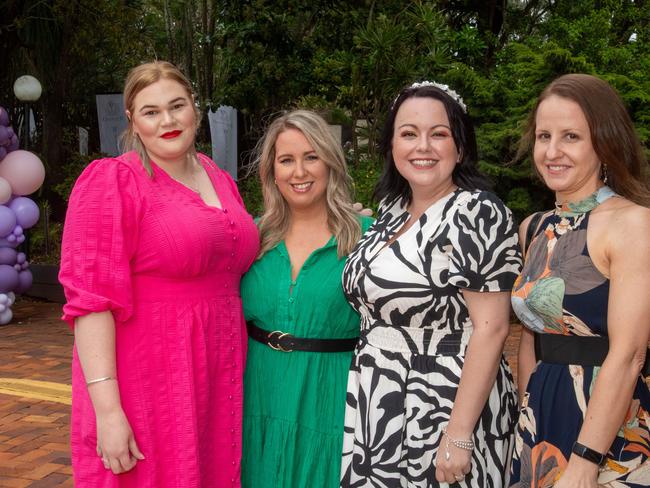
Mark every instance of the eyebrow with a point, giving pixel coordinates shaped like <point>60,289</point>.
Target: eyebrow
<point>291,155</point>
<point>171,102</point>
<point>415,126</point>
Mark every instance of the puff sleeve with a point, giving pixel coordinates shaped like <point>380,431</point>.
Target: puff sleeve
<point>99,239</point>
<point>484,247</point>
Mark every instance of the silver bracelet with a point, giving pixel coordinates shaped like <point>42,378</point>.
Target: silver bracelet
<point>99,380</point>
<point>467,445</point>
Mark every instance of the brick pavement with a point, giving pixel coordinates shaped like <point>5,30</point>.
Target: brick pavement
<point>34,436</point>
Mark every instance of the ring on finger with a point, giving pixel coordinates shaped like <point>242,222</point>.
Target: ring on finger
<point>459,477</point>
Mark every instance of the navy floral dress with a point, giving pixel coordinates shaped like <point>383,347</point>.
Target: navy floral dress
<point>560,291</point>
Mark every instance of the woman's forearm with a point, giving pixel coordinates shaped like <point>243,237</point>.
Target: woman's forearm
<point>95,343</point>
<point>609,402</point>
<point>477,379</point>
<point>526,361</point>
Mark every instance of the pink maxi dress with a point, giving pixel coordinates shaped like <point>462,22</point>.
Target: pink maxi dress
<point>168,267</point>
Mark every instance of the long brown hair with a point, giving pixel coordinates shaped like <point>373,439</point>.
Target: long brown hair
<point>137,80</point>
<point>341,218</point>
<point>611,128</point>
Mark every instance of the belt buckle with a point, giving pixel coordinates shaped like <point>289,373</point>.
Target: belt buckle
<point>277,335</point>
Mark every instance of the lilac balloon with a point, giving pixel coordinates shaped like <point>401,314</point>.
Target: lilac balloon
<point>8,256</point>
<point>21,257</point>
<point>20,239</point>
<point>7,243</point>
<point>26,211</point>
<point>4,135</point>
<point>3,152</point>
<point>4,299</point>
<point>25,280</point>
<point>14,144</point>
<point>7,221</point>
<point>12,298</point>
<point>6,316</point>
<point>8,278</point>
<point>4,116</point>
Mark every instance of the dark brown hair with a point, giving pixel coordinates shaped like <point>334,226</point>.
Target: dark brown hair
<point>611,129</point>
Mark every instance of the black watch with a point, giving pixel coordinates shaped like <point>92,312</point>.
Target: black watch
<point>587,453</point>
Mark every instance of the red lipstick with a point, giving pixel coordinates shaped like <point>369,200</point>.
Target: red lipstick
<point>171,134</point>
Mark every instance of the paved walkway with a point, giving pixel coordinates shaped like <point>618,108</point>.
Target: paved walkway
<point>35,354</point>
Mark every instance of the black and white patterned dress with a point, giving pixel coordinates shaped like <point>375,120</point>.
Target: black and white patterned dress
<point>415,328</point>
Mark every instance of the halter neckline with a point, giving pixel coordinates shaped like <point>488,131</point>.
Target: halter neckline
<point>572,209</point>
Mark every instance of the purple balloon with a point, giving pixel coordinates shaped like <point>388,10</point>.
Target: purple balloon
<point>21,258</point>
<point>8,256</point>
<point>25,280</point>
<point>8,278</point>
<point>7,221</point>
<point>10,131</point>
<point>3,152</point>
<point>4,117</point>
<point>6,243</point>
<point>14,144</point>
<point>4,135</point>
<point>26,211</point>
<point>6,316</point>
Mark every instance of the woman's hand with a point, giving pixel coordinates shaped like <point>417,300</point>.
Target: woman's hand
<point>455,468</point>
<point>579,473</point>
<point>358,208</point>
<point>116,443</point>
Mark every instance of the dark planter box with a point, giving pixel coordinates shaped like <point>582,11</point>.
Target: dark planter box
<point>46,283</point>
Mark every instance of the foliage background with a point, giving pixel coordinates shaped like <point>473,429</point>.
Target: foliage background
<point>345,59</point>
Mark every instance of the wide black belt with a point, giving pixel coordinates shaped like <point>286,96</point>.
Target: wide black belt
<point>579,350</point>
<point>285,342</point>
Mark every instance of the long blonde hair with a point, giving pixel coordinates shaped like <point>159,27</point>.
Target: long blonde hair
<point>137,80</point>
<point>341,218</point>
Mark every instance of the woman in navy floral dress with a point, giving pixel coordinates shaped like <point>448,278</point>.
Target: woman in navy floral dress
<point>583,292</point>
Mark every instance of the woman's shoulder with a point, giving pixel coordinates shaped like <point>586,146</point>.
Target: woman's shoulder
<point>632,219</point>
<point>106,171</point>
<point>482,201</point>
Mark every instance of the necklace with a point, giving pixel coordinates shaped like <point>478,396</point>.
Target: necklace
<point>195,187</point>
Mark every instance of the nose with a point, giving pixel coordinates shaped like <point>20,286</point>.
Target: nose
<point>424,143</point>
<point>299,170</point>
<point>553,149</point>
<point>167,117</point>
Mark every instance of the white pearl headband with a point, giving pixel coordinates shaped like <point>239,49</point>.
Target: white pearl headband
<point>445,88</point>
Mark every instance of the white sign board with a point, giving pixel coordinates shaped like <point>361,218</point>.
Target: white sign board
<point>223,132</point>
<point>83,141</point>
<point>112,122</point>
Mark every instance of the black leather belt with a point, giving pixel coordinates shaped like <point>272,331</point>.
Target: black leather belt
<point>285,342</point>
<point>580,350</point>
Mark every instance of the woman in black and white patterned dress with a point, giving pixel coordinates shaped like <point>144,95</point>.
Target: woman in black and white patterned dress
<point>431,400</point>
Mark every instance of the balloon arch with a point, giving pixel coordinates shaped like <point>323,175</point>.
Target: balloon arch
<point>21,173</point>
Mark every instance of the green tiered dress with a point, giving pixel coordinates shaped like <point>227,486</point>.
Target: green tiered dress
<point>294,403</point>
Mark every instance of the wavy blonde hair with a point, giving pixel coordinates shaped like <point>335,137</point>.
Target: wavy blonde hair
<point>341,218</point>
<point>137,80</point>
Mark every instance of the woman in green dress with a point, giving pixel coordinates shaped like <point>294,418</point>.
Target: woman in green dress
<point>301,328</point>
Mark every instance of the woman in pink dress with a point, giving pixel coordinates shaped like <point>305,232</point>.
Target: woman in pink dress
<point>154,246</point>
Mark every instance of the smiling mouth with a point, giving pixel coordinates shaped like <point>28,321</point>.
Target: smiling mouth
<point>172,134</point>
<point>302,187</point>
<point>423,163</point>
<point>556,168</point>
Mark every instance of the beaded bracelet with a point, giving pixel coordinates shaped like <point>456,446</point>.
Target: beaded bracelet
<point>99,380</point>
<point>467,445</point>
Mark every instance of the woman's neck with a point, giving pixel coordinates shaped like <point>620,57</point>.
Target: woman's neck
<point>178,168</point>
<point>422,200</point>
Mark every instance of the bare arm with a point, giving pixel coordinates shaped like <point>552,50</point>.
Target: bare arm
<point>95,343</point>
<point>490,314</point>
<point>629,330</point>
<point>526,361</point>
